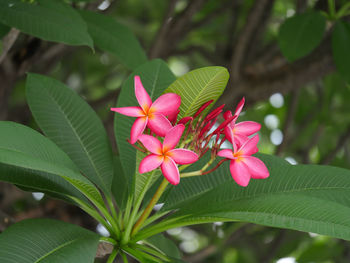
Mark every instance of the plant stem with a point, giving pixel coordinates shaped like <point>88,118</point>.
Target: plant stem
<point>154,217</point>
<point>112,207</point>
<point>130,222</point>
<point>150,206</point>
<point>198,172</point>
<point>112,256</point>
<point>128,209</point>
<point>151,251</point>
<point>93,213</point>
<point>108,217</point>
<point>189,174</point>
<point>125,259</point>
<point>108,240</point>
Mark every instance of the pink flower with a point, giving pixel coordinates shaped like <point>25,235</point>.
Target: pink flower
<point>150,114</point>
<point>165,155</point>
<point>237,133</point>
<point>243,166</point>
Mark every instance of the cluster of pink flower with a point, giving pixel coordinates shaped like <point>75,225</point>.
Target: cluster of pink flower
<point>159,119</point>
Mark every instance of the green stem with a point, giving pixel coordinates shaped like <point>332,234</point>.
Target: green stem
<point>125,259</point>
<point>140,255</point>
<point>331,7</point>
<point>198,172</point>
<point>190,174</point>
<point>108,240</point>
<point>150,206</point>
<point>108,217</point>
<point>153,218</point>
<point>127,209</point>
<point>112,256</point>
<point>130,222</point>
<point>93,213</point>
<point>112,207</point>
<point>151,251</point>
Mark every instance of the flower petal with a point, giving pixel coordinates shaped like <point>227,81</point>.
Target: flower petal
<point>250,146</point>
<point>240,172</point>
<point>172,137</point>
<point>137,128</point>
<point>170,171</point>
<point>256,167</point>
<point>150,162</point>
<point>183,156</point>
<point>151,143</point>
<point>130,111</point>
<point>240,139</point>
<point>227,153</point>
<point>159,124</point>
<point>239,107</point>
<point>166,104</point>
<point>230,137</point>
<point>247,127</point>
<point>141,94</point>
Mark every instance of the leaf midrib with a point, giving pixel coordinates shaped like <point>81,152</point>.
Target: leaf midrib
<point>76,134</point>
<point>204,89</point>
<point>56,249</point>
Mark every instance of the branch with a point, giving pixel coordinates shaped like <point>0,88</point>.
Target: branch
<point>207,54</point>
<point>8,42</point>
<point>313,142</point>
<point>156,47</point>
<point>288,121</point>
<point>342,141</point>
<point>246,35</point>
<point>287,77</point>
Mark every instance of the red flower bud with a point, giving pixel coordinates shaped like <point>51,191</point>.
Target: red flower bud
<point>214,113</point>
<point>202,108</point>
<point>184,120</point>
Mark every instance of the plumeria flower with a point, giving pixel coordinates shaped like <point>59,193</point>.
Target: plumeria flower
<point>165,156</point>
<point>243,166</point>
<point>151,114</point>
<point>237,133</point>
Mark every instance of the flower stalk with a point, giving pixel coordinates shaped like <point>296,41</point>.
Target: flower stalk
<point>149,207</point>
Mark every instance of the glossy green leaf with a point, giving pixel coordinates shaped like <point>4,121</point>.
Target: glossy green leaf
<point>113,37</point>
<point>49,241</point>
<point>50,20</point>
<point>71,123</point>
<point>199,86</point>
<point>308,198</point>
<point>341,48</point>
<point>167,246</point>
<point>156,77</point>
<point>48,167</point>
<point>301,34</point>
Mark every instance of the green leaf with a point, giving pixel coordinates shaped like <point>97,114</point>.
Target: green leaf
<point>3,31</point>
<point>341,48</point>
<point>165,245</point>
<point>27,150</point>
<point>71,123</point>
<point>156,77</point>
<point>308,198</point>
<point>113,37</point>
<point>120,187</point>
<point>301,34</point>
<point>50,20</point>
<point>199,86</point>
<point>47,240</point>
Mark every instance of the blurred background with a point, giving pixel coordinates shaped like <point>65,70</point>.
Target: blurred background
<point>302,104</point>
